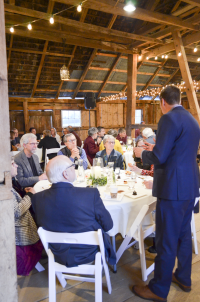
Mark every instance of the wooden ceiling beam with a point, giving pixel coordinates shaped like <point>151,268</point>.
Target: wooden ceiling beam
<point>108,75</point>
<point>77,24</point>
<point>38,52</point>
<point>193,2</point>
<point>108,6</point>
<point>154,75</point>
<point>90,43</point>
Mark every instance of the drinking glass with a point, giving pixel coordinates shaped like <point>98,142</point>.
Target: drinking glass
<point>117,171</point>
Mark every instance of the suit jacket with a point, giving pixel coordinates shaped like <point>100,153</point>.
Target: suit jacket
<point>24,173</point>
<point>48,142</point>
<point>90,148</point>
<point>114,156</point>
<point>65,208</point>
<point>174,156</point>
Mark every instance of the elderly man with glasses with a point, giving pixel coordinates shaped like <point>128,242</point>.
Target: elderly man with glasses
<point>65,208</point>
<point>29,171</point>
<point>72,151</point>
<point>109,154</point>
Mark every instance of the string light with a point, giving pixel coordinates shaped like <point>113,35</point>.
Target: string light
<point>198,60</point>
<point>156,58</point>
<point>12,29</point>
<point>179,54</point>
<point>154,92</point>
<point>51,20</point>
<point>163,56</point>
<point>140,57</point>
<point>166,56</point>
<point>195,49</point>
<point>29,26</point>
<point>79,8</point>
<point>147,58</point>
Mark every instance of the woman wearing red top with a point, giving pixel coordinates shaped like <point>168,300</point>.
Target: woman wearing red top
<point>90,147</point>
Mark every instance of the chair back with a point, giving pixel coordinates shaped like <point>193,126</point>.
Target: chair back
<point>13,153</point>
<point>145,210</point>
<point>50,151</point>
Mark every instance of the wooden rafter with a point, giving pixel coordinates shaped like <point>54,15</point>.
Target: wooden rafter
<point>49,11</point>
<point>108,6</point>
<point>139,64</point>
<point>82,19</point>
<point>109,74</point>
<point>154,75</point>
<point>10,49</point>
<point>48,53</point>
<point>171,77</point>
<point>79,25</point>
<point>193,2</point>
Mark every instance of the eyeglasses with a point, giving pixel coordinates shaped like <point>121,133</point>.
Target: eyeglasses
<point>111,143</point>
<point>32,144</point>
<point>71,140</point>
<point>73,165</point>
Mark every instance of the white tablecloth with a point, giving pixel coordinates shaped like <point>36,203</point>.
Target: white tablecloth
<point>122,212</point>
<point>128,157</point>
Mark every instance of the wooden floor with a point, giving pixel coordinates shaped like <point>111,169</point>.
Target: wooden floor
<point>35,287</point>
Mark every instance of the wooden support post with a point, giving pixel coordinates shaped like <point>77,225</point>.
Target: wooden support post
<point>131,93</point>
<point>8,276</point>
<point>54,118</point>
<point>98,115</point>
<point>26,116</point>
<point>186,75</point>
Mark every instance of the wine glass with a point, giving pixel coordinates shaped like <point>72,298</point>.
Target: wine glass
<point>117,172</point>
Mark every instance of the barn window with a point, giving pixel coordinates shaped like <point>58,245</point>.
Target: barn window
<point>138,116</point>
<point>71,118</point>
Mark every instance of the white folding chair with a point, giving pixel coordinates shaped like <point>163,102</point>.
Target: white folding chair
<point>56,269</point>
<point>50,151</point>
<point>139,232</point>
<point>13,153</point>
<point>193,230</point>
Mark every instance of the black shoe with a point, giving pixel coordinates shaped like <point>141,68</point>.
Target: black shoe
<point>152,250</point>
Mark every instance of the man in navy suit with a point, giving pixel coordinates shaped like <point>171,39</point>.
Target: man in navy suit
<point>175,185</point>
<point>65,208</point>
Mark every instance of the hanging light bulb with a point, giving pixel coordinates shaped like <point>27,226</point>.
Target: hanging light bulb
<point>129,7</point>
<point>166,56</point>
<point>29,26</point>
<point>140,57</point>
<point>147,58</point>
<point>156,58</point>
<point>79,8</point>
<point>163,56</point>
<point>12,29</point>
<point>64,73</point>
<point>198,60</point>
<point>51,20</point>
<point>195,49</point>
<point>179,54</point>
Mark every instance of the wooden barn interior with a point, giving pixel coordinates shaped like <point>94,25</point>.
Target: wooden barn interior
<point>125,59</point>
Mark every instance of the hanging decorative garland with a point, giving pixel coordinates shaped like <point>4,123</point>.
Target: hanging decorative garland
<point>154,92</point>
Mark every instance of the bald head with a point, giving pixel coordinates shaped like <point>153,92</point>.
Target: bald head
<point>58,170</point>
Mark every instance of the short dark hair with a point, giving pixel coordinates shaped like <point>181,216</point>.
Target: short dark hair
<point>121,130</point>
<point>171,94</point>
<point>100,128</point>
<point>30,130</point>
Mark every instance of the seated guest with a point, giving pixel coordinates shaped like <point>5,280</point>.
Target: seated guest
<point>109,154</point>
<point>148,135</point>
<point>55,135</point>
<point>122,137</point>
<point>140,143</point>
<point>72,151</point>
<point>117,145</point>
<point>69,129</point>
<point>17,139</point>
<point>101,132</point>
<point>12,141</point>
<point>90,147</point>
<point>29,171</point>
<point>48,142</point>
<point>28,246</point>
<point>33,130</point>
<point>73,210</point>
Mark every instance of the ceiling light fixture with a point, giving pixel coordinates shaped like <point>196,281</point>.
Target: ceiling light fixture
<point>195,49</point>
<point>129,7</point>
<point>179,54</point>
<point>64,71</point>
<point>12,29</point>
<point>156,58</point>
<point>147,58</point>
<point>51,20</point>
<point>79,8</point>
<point>198,60</point>
<point>29,26</point>
<point>163,56</point>
<point>166,57</point>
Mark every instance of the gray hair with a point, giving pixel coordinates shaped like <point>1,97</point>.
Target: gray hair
<point>108,137</point>
<point>92,131</point>
<point>47,132</point>
<point>112,132</point>
<point>66,137</point>
<point>26,138</point>
<point>54,130</point>
<point>55,173</point>
<point>147,132</point>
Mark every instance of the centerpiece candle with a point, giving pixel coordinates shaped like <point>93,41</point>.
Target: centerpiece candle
<point>97,172</point>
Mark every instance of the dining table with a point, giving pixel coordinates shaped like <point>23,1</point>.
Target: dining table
<point>123,209</point>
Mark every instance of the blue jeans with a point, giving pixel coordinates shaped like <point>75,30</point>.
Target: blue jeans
<point>173,239</point>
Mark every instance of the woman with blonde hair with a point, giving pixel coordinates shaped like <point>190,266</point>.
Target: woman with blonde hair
<point>55,135</point>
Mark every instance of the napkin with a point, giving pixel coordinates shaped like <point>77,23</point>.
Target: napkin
<point>107,196</point>
<point>135,196</point>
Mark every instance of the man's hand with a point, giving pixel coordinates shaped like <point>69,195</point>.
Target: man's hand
<point>29,189</point>
<point>99,139</point>
<point>148,184</point>
<point>75,153</point>
<point>148,146</point>
<point>43,177</point>
<point>138,151</point>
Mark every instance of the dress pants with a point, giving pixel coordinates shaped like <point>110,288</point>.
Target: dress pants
<point>173,239</point>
